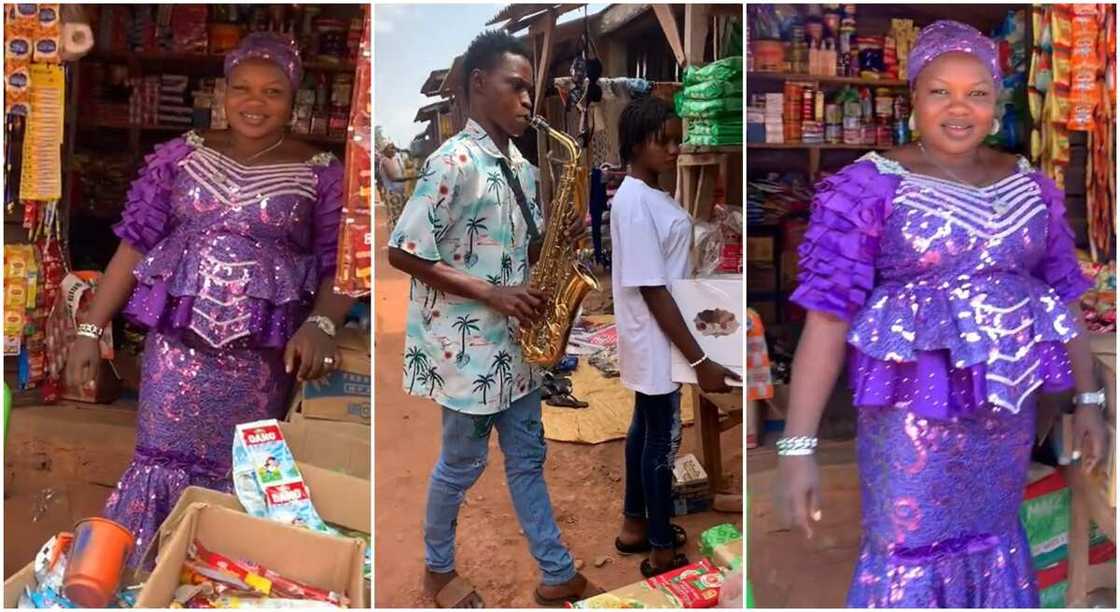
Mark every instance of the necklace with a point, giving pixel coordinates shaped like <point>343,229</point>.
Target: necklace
<point>263,151</point>
<point>1000,205</point>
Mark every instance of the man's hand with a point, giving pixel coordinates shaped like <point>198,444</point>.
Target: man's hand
<point>520,302</point>
<point>712,377</point>
<point>1090,436</point>
<point>576,231</point>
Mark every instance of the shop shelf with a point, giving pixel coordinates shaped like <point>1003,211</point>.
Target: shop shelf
<point>835,80</point>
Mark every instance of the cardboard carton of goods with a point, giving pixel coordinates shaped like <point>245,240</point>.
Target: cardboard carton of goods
<point>326,563</point>
<point>693,586</point>
<point>344,394</point>
<point>331,445</point>
<point>714,311</point>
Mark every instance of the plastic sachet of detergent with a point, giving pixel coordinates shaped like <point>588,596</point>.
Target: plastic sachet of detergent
<point>267,480</point>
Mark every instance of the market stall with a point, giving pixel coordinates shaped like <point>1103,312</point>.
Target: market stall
<point>826,85</point>
<point>90,90</point>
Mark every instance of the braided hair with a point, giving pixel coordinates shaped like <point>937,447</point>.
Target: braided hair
<point>642,119</point>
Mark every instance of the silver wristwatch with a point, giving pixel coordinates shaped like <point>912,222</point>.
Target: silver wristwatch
<point>323,323</point>
<point>1094,398</point>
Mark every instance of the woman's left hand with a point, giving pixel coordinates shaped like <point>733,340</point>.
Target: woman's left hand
<point>1089,436</point>
<point>309,351</point>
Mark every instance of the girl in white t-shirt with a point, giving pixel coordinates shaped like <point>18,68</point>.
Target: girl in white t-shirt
<point>650,241</point>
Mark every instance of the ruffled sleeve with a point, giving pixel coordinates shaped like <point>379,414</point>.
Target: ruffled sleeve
<point>836,270</point>
<point>1059,268</point>
<point>326,218</point>
<point>147,217</point>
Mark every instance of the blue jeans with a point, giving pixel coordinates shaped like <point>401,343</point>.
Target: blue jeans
<point>462,459</point>
<point>651,448</point>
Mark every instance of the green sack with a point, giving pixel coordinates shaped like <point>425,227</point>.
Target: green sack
<point>708,109</point>
<point>710,90</point>
<point>710,127</point>
<point>726,69</point>
<point>1054,596</point>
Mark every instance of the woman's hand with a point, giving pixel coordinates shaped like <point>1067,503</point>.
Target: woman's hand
<point>83,362</point>
<point>1089,436</point>
<point>308,350</point>
<point>799,492</point>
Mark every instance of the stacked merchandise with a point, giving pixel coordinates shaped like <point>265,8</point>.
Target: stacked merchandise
<point>354,275</point>
<point>34,87</point>
<point>1099,303</point>
<point>1071,87</point>
<point>173,110</point>
<point>773,197</point>
<point>712,102</point>
<point>715,580</point>
<point>1045,514</point>
<point>804,113</point>
<point>691,492</point>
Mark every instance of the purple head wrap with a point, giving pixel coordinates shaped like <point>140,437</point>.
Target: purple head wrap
<point>946,36</point>
<point>271,47</point>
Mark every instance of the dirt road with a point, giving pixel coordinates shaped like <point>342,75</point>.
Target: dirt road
<point>585,483</point>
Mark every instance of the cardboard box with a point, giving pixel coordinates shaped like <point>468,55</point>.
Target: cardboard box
<point>761,278</point>
<point>761,249</point>
<point>713,309</point>
<point>344,394</point>
<point>340,500</point>
<point>14,585</point>
<point>331,445</point>
<point>322,561</point>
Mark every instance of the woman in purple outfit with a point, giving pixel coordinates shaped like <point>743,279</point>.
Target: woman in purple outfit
<point>950,271</point>
<point>227,256</point>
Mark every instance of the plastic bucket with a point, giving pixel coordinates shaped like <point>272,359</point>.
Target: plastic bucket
<point>97,560</point>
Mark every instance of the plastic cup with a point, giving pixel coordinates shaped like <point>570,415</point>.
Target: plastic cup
<point>97,560</point>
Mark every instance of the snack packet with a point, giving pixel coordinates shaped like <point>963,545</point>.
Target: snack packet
<point>267,480</point>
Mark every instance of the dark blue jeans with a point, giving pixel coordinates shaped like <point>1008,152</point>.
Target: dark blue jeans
<point>651,449</point>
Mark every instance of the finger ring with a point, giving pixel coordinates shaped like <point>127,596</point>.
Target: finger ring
<point>328,361</point>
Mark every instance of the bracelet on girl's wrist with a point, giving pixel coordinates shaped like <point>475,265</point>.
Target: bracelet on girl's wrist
<point>796,446</point>
<point>699,361</point>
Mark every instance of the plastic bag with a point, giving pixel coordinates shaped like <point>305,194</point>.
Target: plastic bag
<point>709,109</point>
<point>726,69</point>
<point>731,593</point>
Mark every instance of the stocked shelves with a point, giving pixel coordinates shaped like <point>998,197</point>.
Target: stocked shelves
<point>832,80</point>
<point>707,149</point>
<point>820,147</point>
<point>202,61</point>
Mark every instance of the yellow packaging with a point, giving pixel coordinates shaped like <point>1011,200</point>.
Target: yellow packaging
<point>1062,67</point>
<point>1061,28</point>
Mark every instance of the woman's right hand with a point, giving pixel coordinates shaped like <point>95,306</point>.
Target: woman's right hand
<point>83,362</point>
<point>799,491</point>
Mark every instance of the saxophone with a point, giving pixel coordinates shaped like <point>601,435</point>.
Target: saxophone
<point>560,272</point>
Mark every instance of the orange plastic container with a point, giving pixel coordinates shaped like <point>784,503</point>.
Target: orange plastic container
<point>96,563</point>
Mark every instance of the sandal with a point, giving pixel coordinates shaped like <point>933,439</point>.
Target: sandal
<point>680,538</point>
<point>457,593</point>
<point>565,400</point>
<point>649,571</point>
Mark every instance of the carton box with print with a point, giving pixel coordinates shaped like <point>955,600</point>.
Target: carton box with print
<point>344,394</point>
<point>714,311</point>
<point>321,561</point>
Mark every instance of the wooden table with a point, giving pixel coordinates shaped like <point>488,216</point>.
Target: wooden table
<point>1088,500</point>
<point>708,409</point>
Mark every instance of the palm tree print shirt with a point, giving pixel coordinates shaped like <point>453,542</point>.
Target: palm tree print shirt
<point>459,352</point>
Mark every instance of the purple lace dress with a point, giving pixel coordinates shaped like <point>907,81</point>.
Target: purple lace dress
<point>956,298</point>
<point>233,256</point>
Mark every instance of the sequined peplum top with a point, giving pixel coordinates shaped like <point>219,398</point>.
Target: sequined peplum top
<point>956,295</point>
<point>232,253</point>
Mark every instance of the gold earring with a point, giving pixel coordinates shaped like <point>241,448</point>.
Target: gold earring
<point>995,127</point>
<point>912,123</point>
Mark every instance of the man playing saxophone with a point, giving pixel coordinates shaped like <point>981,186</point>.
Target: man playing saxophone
<point>468,236</point>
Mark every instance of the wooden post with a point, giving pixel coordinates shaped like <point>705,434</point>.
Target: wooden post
<point>668,21</point>
<point>542,58</point>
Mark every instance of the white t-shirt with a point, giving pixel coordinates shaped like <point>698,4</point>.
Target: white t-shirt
<point>651,237</point>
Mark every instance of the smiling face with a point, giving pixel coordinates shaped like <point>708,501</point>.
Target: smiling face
<point>258,99</point>
<point>502,93</point>
<point>955,103</point>
<point>659,151</point>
